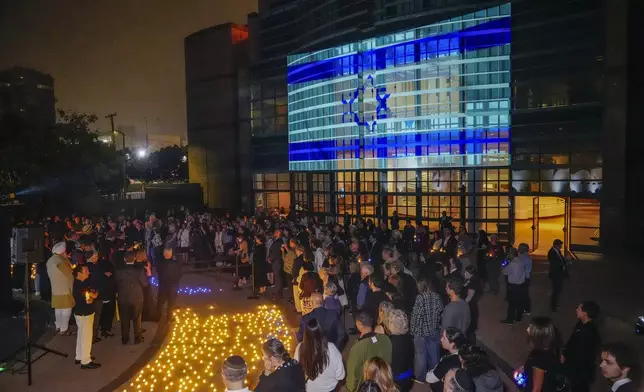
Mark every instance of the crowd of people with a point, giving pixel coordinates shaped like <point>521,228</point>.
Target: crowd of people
<point>412,294</point>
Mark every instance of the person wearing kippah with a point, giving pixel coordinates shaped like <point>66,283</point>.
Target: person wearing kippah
<point>234,372</point>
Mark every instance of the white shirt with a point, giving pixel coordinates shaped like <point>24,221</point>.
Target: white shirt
<point>238,390</point>
<point>619,383</point>
<point>319,258</point>
<point>333,373</point>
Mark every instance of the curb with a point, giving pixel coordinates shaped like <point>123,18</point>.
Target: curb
<point>144,358</point>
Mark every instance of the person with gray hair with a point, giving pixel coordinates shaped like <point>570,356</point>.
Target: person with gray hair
<point>61,276</point>
<point>234,372</point>
<point>366,270</point>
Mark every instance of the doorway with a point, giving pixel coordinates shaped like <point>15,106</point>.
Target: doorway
<point>539,220</point>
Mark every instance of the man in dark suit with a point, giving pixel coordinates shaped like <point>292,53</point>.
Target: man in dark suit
<point>328,319</point>
<point>450,243</point>
<point>557,273</point>
<point>130,281</point>
<point>618,360</point>
<point>582,348</point>
<point>275,258</point>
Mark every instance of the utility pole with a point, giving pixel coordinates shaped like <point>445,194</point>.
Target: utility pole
<point>111,117</point>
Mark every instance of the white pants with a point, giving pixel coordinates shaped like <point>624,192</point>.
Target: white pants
<point>84,338</point>
<point>62,318</point>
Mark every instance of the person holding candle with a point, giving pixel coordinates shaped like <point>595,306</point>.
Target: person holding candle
<point>281,372</point>
<point>84,297</point>
<point>130,282</point>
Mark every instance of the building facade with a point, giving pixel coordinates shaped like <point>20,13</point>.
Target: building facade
<point>216,61</point>
<point>511,117</point>
<point>29,94</point>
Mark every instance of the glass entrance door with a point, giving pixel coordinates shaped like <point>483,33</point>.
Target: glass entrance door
<point>535,223</point>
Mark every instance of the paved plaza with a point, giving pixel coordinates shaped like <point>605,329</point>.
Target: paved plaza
<point>212,325</point>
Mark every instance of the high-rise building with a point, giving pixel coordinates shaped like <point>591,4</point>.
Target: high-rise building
<point>28,93</point>
<point>511,117</point>
<point>216,61</point>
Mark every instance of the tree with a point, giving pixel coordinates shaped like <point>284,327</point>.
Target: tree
<point>169,164</point>
<point>69,151</point>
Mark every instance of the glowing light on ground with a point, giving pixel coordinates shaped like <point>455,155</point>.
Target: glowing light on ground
<point>191,358</point>
<point>187,289</point>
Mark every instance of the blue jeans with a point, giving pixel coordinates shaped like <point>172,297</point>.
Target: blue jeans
<point>427,355</point>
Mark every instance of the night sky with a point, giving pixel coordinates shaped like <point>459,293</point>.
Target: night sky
<point>123,56</point>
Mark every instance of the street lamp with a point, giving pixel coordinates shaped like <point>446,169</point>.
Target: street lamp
<point>141,153</point>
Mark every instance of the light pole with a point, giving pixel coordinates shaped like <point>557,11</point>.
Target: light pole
<point>115,131</point>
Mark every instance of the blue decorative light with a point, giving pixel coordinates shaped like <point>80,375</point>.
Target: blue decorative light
<point>186,289</point>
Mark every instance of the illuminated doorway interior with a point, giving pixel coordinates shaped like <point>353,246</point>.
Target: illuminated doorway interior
<point>538,221</point>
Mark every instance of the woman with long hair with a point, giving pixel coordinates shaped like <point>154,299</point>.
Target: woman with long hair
<point>281,372</point>
<point>321,360</point>
<point>478,366</point>
<point>383,313</point>
<point>378,370</point>
<point>545,348</point>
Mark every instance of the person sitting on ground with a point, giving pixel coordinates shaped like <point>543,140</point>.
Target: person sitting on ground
<point>477,364</point>
<point>452,339</point>
<point>329,322</point>
<point>281,372</point>
<point>321,360</point>
<point>369,345</point>
<point>457,312</point>
<point>378,370</point>
<point>331,301</point>
<point>234,372</point>
<point>619,365</point>
<point>402,343</point>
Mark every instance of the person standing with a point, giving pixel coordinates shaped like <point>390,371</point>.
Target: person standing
<point>329,323</point>
<point>452,339</point>
<point>97,281</point>
<point>275,258</point>
<point>169,271</point>
<point>496,256</point>
<point>130,281</point>
<point>544,358</point>
<point>320,359</point>
<point>618,364</point>
<point>61,276</point>
<point>84,297</point>
<point>260,270</point>
<point>426,328</point>
<point>557,272</point>
<point>368,346</point>
<point>515,272</point>
<point>375,296</point>
<point>524,256</point>
<point>457,312</point>
<point>582,348</point>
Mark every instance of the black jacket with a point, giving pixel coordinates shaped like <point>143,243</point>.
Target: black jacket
<point>81,307</point>
<point>275,251</point>
<point>558,268</point>
<point>581,351</point>
<point>288,378</point>
<point>331,325</point>
<point>372,302</point>
<point>130,281</point>
<point>402,360</point>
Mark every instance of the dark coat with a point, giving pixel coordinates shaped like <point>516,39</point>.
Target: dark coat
<point>582,350</point>
<point>275,251</point>
<point>130,281</point>
<point>402,360</point>
<point>557,265</point>
<point>330,323</point>
<point>372,302</point>
<point>289,377</point>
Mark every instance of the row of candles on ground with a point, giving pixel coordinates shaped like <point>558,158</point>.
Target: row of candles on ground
<point>199,341</point>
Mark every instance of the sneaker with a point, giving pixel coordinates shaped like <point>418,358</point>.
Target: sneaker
<point>107,334</point>
<point>37,293</point>
<point>509,322</point>
<point>139,340</point>
<point>91,365</point>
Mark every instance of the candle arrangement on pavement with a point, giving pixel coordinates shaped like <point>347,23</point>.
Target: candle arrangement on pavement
<point>199,342</point>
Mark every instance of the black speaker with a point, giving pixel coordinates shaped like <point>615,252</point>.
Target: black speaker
<point>6,303</point>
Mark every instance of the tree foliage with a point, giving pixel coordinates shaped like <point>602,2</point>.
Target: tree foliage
<point>69,151</point>
<point>168,164</point>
